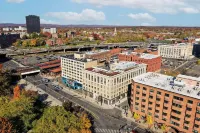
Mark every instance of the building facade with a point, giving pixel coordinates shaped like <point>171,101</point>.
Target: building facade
<point>50,30</point>
<point>109,84</point>
<point>177,51</point>
<point>6,40</point>
<point>33,24</point>
<point>153,61</point>
<point>73,67</point>
<point>171,102</point>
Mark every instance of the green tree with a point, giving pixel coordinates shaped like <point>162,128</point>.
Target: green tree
<point>57,120</point>
<point>5,84</point>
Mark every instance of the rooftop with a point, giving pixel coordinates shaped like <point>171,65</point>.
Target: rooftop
<point>168,83</point>
<point>115,68</point>
<point>78,59</point>
<point>96,52</point>
<point>178,44</point>
<point>141,55</point>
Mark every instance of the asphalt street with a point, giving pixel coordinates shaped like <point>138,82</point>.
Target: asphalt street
<point>104,120</point>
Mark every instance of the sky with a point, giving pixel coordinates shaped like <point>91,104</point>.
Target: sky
<point>104,12</point>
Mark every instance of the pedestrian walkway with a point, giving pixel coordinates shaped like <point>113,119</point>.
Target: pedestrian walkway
<point>79,95</point>
<point>130,119</point>
<point>99,130</point>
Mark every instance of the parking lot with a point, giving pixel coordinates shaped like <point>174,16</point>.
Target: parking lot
<point>171,63</point>
<point>35,59</point>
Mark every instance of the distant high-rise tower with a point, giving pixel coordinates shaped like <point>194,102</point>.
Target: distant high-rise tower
<point>33,24</point>
<point>115,32</point>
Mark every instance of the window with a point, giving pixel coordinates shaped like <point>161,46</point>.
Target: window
<point>143,106</point>
<point>165,108</point>
<point>150,113</point>
<point>187,115</point>
<point>143,111</point>
<point>151,90</point>
<point>166,101</point>
<point>137,98</point>
<point>157,99</point>
<point>144,88</point>
<point>187,122</point>
<point>149,108</point>
<point>138,87</point>
<point>189,109</point>
<point>150,103</point>
<point>178,98</point>
<point>158,92</point>
<point>167,95</point>
<point>186,128</point>
<point>165,114</point>
<point>195,125</point>
<point>143,100</point>
<point>164,119</point>
<point>136,103</point>
<point>151,97</point>
<point>137,92</point>
<point>157,105</point>
<point>177,105</point>
<point>174,123</point>
<point>176,118</point>
<point>157,111</point>
<point>197,119</point>
<point>189,101</point>
<point>175,111</point>
<point>144,95</point>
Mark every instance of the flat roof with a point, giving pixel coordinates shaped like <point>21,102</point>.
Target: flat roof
<point>48,63</point>
<point>141,55</point>
<point>168,83</point>
<point>50,66</point>
<point>77,59</point>
<point>96,52</point>
<point>115,68</point>
<point>188,77</point>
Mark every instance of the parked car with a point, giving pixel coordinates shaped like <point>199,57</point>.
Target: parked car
<point>45,80</point>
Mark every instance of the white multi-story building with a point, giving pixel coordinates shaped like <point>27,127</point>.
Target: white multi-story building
<point>20,28</point>
<point>176,51</point>
<point>7,29</point>
<point>110,83</point>
<point>50,30</point>
<point>73,67</point>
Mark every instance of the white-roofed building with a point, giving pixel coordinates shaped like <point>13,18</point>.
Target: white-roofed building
<point>174,102</point>
<point>109,84</point>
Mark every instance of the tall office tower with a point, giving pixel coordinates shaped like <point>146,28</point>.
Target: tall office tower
<point>33,24</point>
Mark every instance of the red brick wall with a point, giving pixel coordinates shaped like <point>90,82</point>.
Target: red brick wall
<point>152,64</point>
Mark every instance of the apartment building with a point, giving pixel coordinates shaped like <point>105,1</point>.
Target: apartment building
<point>73,67</point>
<point>173,102</point>
<point>50,30</point>
<point>176,51</point>
<point>108,84</point>
<point>153,61</point>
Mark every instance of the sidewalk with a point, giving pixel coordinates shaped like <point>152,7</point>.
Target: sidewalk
<point>83,97</point>
<point>141,125</point>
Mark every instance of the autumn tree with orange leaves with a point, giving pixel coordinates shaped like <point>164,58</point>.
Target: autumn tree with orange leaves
<point>5,126</point>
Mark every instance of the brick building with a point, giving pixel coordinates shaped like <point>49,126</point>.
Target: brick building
<point>171,102</point>
<point>103,55</point>
<point>153,61</point>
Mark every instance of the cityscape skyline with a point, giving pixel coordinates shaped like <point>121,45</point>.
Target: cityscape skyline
<point>65,12</point>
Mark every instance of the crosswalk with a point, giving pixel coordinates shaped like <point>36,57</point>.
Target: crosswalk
<point>99,130</point>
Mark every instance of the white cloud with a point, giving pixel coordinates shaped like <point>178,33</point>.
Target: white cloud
<point>145,24</point>
<point>189,10</point>
<point>85,15</point>
<point>155,6</point>
<point>142,17</point>
<point>43,21</point>
<point>15,1</point>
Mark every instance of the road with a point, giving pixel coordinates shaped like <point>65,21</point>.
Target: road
<point>103,120</point>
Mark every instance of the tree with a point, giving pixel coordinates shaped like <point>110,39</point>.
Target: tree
<point>68,106</point>
<point>5,84</point>
<point>24,37</point>
<point>5,126</point>
<point>57,120</point>
<point>20,112</point>
<point>33,42</point>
